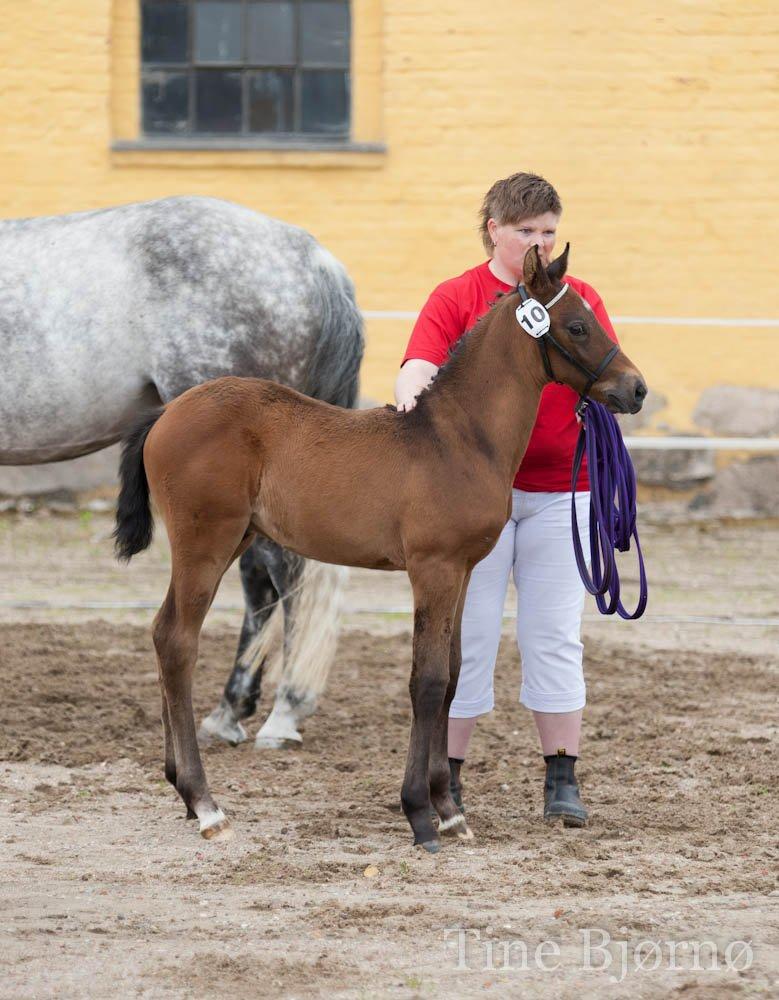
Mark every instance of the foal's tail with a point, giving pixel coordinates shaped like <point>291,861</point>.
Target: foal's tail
<point>134,522</point>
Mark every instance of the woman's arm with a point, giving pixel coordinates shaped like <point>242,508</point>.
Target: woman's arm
<point>413,377</point>
<point>438,326</point>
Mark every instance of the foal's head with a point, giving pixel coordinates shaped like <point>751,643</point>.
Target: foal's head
<point>576,347</point>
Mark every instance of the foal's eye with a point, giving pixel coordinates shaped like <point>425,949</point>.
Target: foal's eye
<point>577,329</point>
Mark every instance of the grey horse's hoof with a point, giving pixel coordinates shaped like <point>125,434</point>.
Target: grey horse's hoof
<point>277,742</point>
<point>220,725</point>
<point>279,731</point>
<point>431,846</point>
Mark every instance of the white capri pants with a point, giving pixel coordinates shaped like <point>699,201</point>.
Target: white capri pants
<point>536,545</point>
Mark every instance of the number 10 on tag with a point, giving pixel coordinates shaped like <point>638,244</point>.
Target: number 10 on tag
<point>533,318</point>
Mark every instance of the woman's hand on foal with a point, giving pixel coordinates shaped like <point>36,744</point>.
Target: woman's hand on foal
<point>415,375</point>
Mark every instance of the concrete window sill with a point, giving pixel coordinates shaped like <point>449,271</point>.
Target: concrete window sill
<point>200,152</point>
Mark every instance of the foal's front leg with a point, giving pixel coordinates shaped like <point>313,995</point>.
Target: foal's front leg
<point>436,588</point>
<point>451,819</point>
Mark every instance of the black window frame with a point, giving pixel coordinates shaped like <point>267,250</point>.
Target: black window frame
<point>295,136</point>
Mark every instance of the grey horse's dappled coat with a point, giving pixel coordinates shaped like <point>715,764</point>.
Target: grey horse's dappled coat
<point>105,313</point>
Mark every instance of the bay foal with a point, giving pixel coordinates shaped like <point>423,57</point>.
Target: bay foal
<point>426,491</point>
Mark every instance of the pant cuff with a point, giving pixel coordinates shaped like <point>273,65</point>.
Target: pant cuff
<point>558,701</point>
<point>470,709</point>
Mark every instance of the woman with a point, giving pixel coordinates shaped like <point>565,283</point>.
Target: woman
<point>535,546</point>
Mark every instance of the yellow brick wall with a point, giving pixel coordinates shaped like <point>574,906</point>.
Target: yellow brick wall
<point>656,122</point>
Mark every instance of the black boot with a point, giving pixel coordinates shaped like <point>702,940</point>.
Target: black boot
<point>561,793</point>
<point>455,785</point>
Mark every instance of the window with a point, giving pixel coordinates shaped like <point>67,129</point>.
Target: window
<point>265,68</point>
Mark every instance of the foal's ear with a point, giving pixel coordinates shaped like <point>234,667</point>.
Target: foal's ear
<point>533,273</point>
<point>558,267</point>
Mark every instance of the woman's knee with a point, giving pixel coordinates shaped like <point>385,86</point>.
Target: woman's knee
<point>553,674</point>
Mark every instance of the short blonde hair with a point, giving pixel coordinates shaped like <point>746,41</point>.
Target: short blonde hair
<point>515,198</point>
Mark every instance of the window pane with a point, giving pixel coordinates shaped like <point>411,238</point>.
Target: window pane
<point>165,103</point>
<point>325,101</point>
<point>164,31</point>
<point>272,34</point>
<point>324,32</point>
<point>217,32</point>
<point>270,101</point>
<point>218,100</point>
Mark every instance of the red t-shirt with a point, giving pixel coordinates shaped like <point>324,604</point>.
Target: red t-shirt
<point>452,309</point>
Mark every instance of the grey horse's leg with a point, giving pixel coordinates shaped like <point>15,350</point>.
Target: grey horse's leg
<point>312,595</point>
<point>309,594</point>
<point>242,691</point>
<point>292,701</point>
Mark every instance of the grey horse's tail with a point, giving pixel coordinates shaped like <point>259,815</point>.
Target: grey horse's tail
<point>134,522</point>
<point>333,374</point>
<point>311,630</point>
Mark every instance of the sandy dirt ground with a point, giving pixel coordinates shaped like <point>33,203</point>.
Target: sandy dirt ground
<point>106,891</point>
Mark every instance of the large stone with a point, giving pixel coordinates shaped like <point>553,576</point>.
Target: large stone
<point>630,422</point>
<point>736,411</point>
<point>747,489</point>
<point>676,468</point>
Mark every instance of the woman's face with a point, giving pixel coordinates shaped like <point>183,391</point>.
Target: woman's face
<point>513,240</point>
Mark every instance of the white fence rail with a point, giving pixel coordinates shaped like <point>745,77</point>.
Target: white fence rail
<point>619,320</point>
<point>661,443</point>
<point>701,443</point>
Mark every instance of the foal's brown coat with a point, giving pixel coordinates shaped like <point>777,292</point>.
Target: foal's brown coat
<point>427,491</point>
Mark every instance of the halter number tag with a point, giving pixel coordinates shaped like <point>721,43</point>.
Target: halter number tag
<point>533,318</point>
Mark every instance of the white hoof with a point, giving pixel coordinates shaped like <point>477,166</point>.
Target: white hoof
<point>215,826</point>
<point>456,826</point>
<point>220,725</point>
<point>279,730</point>
<point>448,824</point>
<point>267,741</point>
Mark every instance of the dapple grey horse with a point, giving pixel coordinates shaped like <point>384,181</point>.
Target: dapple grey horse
<point>105,314</point>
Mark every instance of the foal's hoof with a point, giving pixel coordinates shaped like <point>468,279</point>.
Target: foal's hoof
<point>216,827</point>
<point>431,846</point>
<point>220,725</point>
<point>571,815</point>
<point>455,827</point>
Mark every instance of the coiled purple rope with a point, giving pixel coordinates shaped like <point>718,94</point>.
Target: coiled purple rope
<point>612,508</point>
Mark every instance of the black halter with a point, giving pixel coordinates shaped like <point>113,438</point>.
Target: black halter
<point>592,377</point>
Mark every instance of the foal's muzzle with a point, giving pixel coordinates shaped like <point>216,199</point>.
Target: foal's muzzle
<point>627,396</point>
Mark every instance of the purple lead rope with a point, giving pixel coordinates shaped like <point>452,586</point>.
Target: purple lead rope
<point>612,508</point>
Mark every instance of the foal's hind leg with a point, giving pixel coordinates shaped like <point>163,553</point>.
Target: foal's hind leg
<point>170,755</point>
<point>198,565</point>
<point>242,691</point>
<point>451,819</point>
